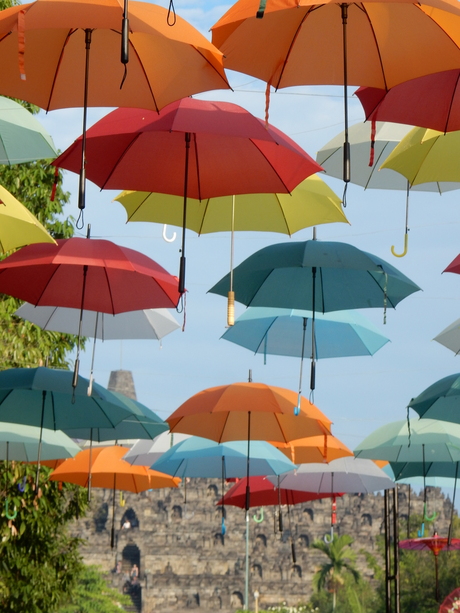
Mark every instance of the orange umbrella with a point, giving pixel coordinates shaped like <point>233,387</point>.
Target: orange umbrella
<point>314,449</point>
<point>255,411</point>
<point>248,411</point>
<point>301,42</point>
<point>104,467</point>
<point>66,53</point>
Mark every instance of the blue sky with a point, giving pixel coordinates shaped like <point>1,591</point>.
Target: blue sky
<point>358,394</point>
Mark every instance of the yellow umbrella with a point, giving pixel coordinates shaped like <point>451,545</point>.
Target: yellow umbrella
<point>18,227</point>
<point>426,156</point>
<point>311,203</point>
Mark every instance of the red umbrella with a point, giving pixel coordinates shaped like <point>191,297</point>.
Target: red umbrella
<point>451,603</point>
<point>264,493</point>
<point>190,148</point>
<point>431,101</point>
<point>435,544</point>
<point>94,275</point>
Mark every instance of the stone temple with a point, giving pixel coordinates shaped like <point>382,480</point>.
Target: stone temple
<point>184,561</point>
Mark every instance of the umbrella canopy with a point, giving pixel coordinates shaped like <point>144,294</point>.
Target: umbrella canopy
<point>145,453</point>
<point>345,475</point>
<point>324,276</point>
<point>426,156</point>
<point>193,148</point>
<point>416,440</point>
<point>314,449</point>
<point>441,401</point>
<point>45,46</point>
<point>104,276</point>
<point>369,150</point>
<point>430,101</point>
<point>431,471</point>
<point>21,443</point>
<point>18,227</point>
<point>311,203</point>
<point>109,470</point>
<point>254,411</point>
<point>265,493</point>
<point>149,324</point>
<point>451,602</point>
<point>22,137</point>
<point>201,457</point>
<point>450,337</point>
<point>278,331</point>
<point>142,423</point>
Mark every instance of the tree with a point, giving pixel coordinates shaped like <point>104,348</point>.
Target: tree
<point>40,561</point>
<point>331,575</point>
<point>93,595</point>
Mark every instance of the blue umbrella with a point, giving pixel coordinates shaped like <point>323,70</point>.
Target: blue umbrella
<point>317,275</point>
<point>202,457</point>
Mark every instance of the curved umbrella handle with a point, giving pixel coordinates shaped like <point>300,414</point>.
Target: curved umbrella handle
<point>401,255</point>
<point>426,517</point>
<point>421,532</point>
<point>223,528</point>
<point>9,515</point>
<point>122,500</point>
<point>259,518</point>
<point>328,538</point>
<point>22,485</point>
<point>166,238</point>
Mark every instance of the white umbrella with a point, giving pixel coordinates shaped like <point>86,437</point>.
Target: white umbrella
<point>145,453</point>
<point>345,475</point>
<point>20,442</point>
<point>366,167</point>
<point>450,337</point>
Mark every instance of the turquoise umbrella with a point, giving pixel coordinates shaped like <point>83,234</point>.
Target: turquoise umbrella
<point>20,443</point>
<point>317,275</point>
<point>45,398</point>
<point>441,400</point>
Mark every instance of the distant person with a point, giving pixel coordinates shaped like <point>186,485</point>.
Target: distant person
<point>126,525</point>
<point>134,572</point>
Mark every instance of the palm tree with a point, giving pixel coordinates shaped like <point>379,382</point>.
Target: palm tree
<point>331,575</point>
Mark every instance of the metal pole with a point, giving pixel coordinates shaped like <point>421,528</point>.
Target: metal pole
<point>387,553</point>
<point>246,583</point>
<point>396,549</point>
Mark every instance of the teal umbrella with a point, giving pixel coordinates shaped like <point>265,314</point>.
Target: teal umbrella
<point>441,400</point>
<point>22,137</point>
<point>317,275</point>
<point>20,443</point>
<point>45,398</point>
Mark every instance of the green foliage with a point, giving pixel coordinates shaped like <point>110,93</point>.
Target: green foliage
<point>93,595</point>
<point>40,562</point>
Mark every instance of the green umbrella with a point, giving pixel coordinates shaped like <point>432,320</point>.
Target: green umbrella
<point>22,137</point>
<point>20,443</point>
<point>441,400</point>
<point>45,398</point>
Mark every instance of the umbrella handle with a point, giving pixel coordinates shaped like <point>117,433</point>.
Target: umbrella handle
<point>328,538</point>
<point>426,516</point>
<point>22,485</point>
<point>223,528</point>
<point>9,515</point>
<point>421,532</point>
<point>122,500</point>
<point>259,518</point>
<point>401,255</point>
<point>166,238</point>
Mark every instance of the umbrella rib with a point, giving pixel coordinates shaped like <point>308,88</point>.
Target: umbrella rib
<point>454,92</point>
<point>206,207</point>
<point>388,298</point>
<point>264,338</point>
<point>131,143</point>
<point>147,80</point>
<point>362,8</point>
<point>213,67</point>
<point>283,214</point>
<point>69,34</point>
<point>254,143</point>
<point>288,53</point>
<point>110,289</point>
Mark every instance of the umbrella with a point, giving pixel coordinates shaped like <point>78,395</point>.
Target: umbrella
<point>426,156</point>
<point>440,401</point>
<point>434,543</point>
<point>67,54</point>
<point>18,227</point>
<point>360,44</point>
<point>346,475</point>
<point>19,442</point>
<point>145,453</point>
<point>145,324</point>
<point>254,411</point>
<point>41,397</point>
<point>264,493</point>
<point>314,449</point>
<point>104,467</point>
<point>22,137</point>
<point>97,275</point>
<point>201,457</point>
<point>430,101</point>
<point>450,337</point>
<point>323,276</point>
<point>370,146</point>
<point>192,148</point>
<point>451,603</point>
